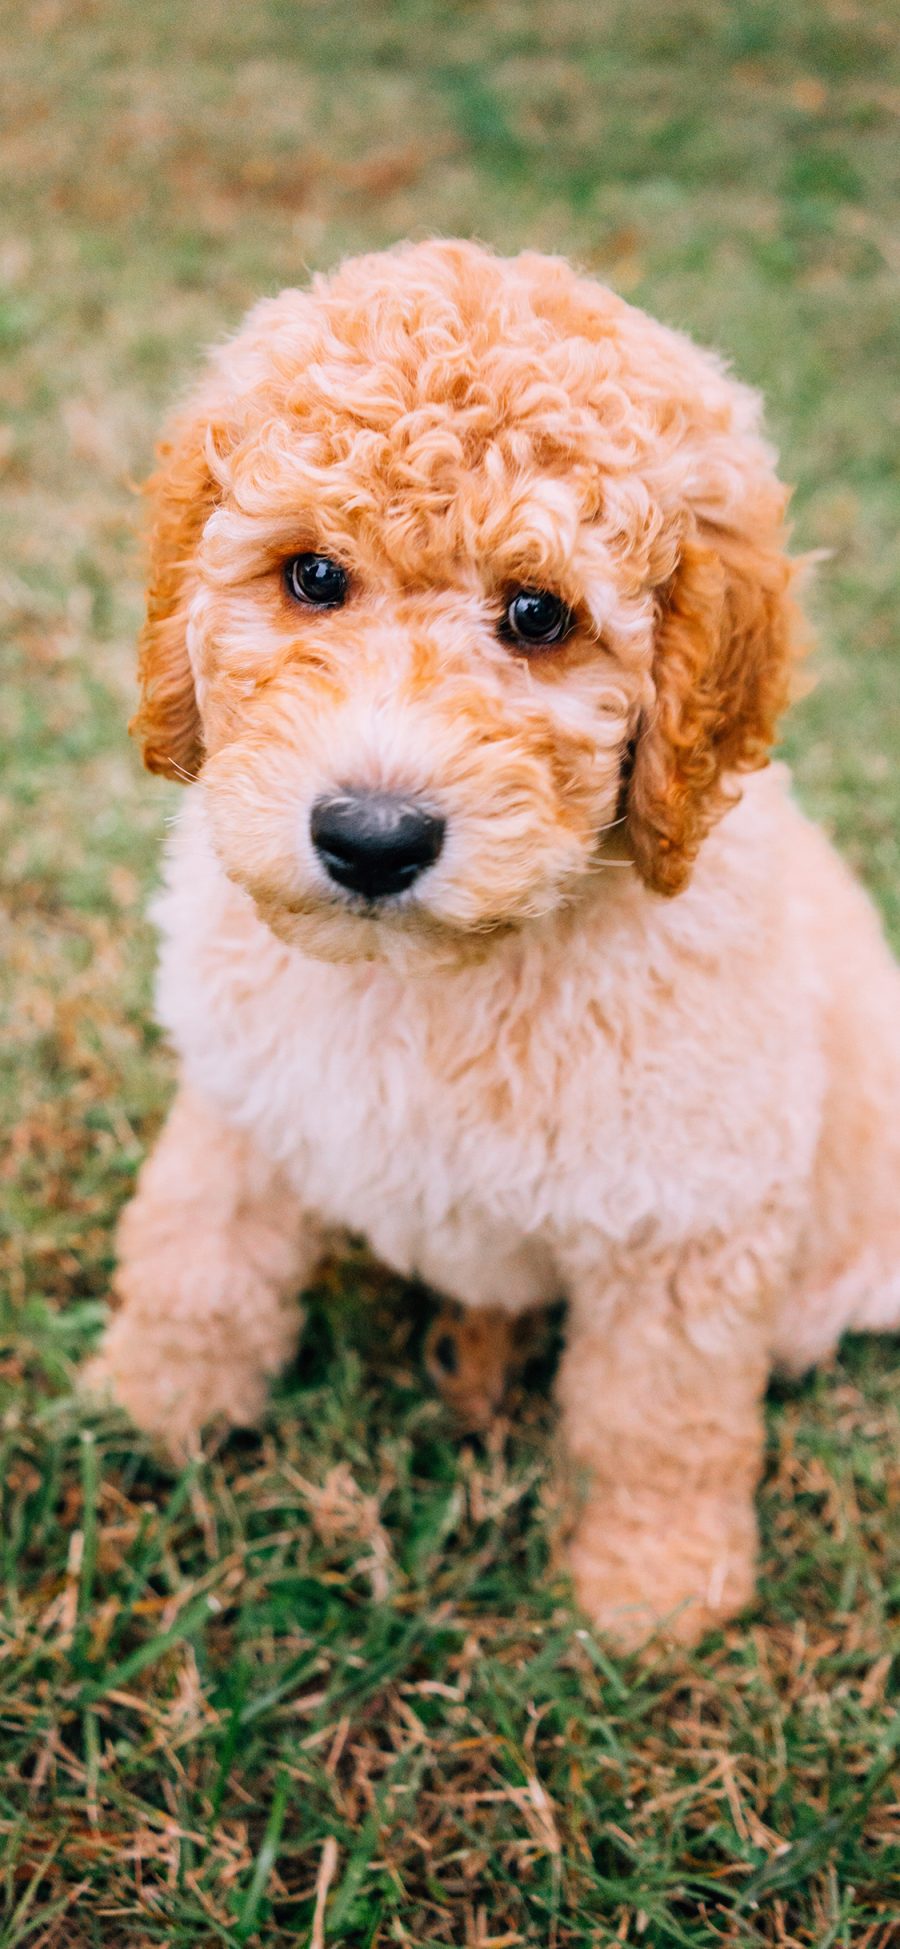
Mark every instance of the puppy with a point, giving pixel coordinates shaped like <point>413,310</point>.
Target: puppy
<point>486,931</point>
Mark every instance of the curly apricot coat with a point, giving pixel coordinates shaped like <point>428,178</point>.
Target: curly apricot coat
<point>633,1037</point>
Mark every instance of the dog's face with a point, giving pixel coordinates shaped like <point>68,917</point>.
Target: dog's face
<point>464,573</point>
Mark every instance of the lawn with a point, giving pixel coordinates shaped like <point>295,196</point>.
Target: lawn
<point>324,1687</point>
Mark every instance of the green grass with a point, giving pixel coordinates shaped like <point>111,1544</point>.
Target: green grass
<point>348,1628</point>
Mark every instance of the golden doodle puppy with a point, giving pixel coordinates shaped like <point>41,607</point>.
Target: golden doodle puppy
<point>486,931</point>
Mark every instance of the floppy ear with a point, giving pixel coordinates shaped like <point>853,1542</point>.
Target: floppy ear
<point>182,493</point>
<point>727,631</point>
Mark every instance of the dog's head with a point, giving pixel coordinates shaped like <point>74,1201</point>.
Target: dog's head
<point>463,571</point>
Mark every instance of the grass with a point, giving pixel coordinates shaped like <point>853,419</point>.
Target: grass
<point>325,1687</point>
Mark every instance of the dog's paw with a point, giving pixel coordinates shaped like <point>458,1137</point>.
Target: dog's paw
<point>94,1383</point>
<point>472,1354</point>
<point>173,1397</point>
<point>655,1594</point>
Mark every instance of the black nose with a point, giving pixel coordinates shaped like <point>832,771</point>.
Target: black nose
<point>373,843</point>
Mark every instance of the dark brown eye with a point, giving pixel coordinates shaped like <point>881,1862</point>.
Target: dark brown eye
<point>316,579</point>
<point>534,616</point>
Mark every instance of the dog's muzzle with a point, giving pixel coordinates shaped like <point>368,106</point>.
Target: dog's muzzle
<point>373,843</point>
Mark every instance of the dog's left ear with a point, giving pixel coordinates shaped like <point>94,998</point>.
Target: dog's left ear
<point>727,632</point>
<point>182,494</point>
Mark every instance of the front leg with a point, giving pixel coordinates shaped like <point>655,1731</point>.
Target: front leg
<point>661,1388</point>
<point>213,1250</point>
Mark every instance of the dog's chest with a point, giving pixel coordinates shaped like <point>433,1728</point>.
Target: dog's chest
<point>392,1120</point>
<point>446,1121</point>
<point>489,1119</point>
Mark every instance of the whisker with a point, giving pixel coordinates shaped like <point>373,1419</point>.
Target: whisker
<point>611,823</point>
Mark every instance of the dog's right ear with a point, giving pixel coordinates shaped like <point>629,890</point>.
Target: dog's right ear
<point>182,493</point>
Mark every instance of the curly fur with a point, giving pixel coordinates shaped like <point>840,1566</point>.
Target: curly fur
<point>532,1074</point>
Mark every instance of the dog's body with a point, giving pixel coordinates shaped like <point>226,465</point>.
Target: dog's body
<point>676,1113</point>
